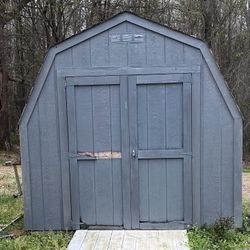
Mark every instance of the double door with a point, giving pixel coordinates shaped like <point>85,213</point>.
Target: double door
<point>130,150</point>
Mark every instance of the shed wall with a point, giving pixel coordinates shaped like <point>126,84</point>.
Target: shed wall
<point>43,168</point>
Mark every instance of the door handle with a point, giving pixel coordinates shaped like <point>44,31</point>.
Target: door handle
<point>133,153</point>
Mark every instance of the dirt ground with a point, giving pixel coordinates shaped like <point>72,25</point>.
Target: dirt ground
<point>246,186</point>
<point>7,176</point>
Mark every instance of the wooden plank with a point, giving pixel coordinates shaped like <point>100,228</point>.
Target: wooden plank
<point>142,239</point>
<point>173,52</point>
<point>104,193</point>
<point>192,55</point>
<point>133,148</point>
<point>78,240</point>
<point>197,127</point>
<point>101,118</point>
<point>173,239</point>
<point>103,239</point>
<point>175,190</point>
<point>156,116</point>
<point>90,240</point>
<point>129,241</point>
<point>118,51</point>
<point>102,142</point>
<point>227,170</point>
<point>155,49</point>
<point>99,46</point>
<point>74,172</point>
<point>36,171</point>
<point>125,154</point>
<point>115,116</point>
<point>142,142</point>
<point>157,191</point>
<point>187,144</point>
<point>238,172</point>
<point>63,144</point>
<point>87,192</point>
<point>174,113</point>
<point>50,154</point>
<point>117,192</point>
<point>84,119</point>
<point>159,226</point>
<point>93,80</point>
<point>116,240</point>
<point>167,78</point>
<point>211,172</point>
<point>81,55</point>
<point>136,51</point>
<point>142,117</point>
<point>144,190</point>
<point>100,71</point>
<point>159,154</point>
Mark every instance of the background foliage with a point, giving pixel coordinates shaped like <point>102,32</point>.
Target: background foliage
<point>29,28</point>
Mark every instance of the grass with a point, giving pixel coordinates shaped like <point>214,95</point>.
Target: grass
<point>222,236</point>
<point>37,241</point>
<point>246,170</point>
<point>10,208</point>
<point>204,238</point>
<point>226,238</point>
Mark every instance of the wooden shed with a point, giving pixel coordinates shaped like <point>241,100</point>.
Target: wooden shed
<point>130,124</point>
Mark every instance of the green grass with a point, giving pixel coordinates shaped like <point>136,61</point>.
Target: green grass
<point>204,238</point>
<point>37,241</point>
<point>246,170</point>
<point>11,207</point>
<point>223,236</point>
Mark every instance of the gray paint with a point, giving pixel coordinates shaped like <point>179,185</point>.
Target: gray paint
<point>52,194</point>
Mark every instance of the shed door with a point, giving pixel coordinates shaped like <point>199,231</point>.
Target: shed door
<point>160,145</point>
<point>94,123</point>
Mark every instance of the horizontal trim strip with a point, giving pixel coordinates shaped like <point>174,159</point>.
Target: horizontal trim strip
<point>67,72</point>
<point>167,225</point>
<point>160,154</point>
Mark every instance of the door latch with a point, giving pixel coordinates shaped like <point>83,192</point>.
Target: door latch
<point>133,153</point>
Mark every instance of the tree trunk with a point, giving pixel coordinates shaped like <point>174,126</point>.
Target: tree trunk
<point>4,111</point>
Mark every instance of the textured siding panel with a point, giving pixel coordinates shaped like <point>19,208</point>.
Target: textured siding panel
<point>217,168</point>
<point>99,46</point>
<point>155,49</point>
<point>118,51</point>
<point>136,51</point>
<point>50,155</point>
<point>81,55</point>
<point>173,52</point>
<point>36,171</point>
<point>192,56</point>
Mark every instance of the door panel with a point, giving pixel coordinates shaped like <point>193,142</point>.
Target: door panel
<point>161,190</point>
<point>96,155</point>
<point>162,142</point>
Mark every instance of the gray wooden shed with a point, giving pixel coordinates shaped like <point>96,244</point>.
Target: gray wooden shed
<point>130,124</point>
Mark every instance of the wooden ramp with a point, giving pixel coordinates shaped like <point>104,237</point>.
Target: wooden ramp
<point>129,240</point>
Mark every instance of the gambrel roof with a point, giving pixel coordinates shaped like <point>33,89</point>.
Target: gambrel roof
<point>144,23</point>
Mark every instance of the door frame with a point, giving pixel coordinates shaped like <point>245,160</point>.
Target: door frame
<point>63,74</point>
